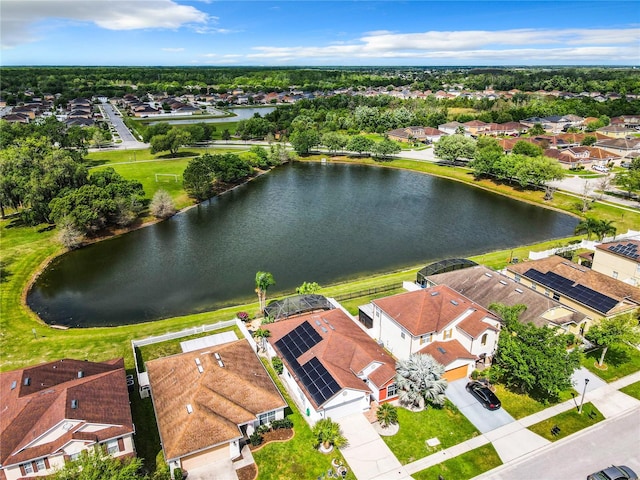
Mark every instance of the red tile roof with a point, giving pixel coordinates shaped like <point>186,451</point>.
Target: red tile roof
<point>431,309</point>
<point>345,351</point>
<point>445,353</point>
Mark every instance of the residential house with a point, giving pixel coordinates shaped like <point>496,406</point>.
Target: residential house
<point>627,121</point>
<point>451,127</point>
<point>625,147</point>
<point>438,321</point>
<point>485,286</point>
<point>207,400</point>
<point>416,134</point>
<point>54,411</point>
<point>578,287</point>
<point>619,260</point>
<point>614,131</point>
<point>331,366</point>
<point>512,129</point>
<point>476,127</point>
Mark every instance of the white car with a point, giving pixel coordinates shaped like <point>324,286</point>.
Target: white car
<point>600,168</point>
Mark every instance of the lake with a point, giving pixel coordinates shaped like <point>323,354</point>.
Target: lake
<point>302,222</point>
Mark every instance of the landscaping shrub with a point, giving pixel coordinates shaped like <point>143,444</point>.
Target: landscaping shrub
<point>263,429</point>
<point>284,423</point>
<point>177,473</point>
<point>243,316</point>
<point>255,439</point>
<point>277,365</point>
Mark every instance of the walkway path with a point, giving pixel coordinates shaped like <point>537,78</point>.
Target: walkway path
<point>514,440</point>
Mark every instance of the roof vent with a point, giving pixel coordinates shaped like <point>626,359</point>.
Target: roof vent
<point>220,363</point>
<point>217,355</point>
<point>189,409</point>
<point>197,361</point>
<point>518,290</point>
<point>332,327</point>
<point>80,374</point>
<point>503,282</point>
<point>325,320</point>
<point>488,274</point>
<point>27,381</point>
<point>317,322</point>
<point>324,329</point>
<point>14,384</point>
<point>200,369</point>
<point>453,302</point>
<point>74,403</point>
<point>442,350</point>
<point>433,294</point>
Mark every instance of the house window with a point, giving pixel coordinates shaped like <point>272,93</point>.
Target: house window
<point>426,338</point>
<point>392,390</point>
<point>74,456</point>
<point>556,296</point>
<point>40,465</point>
<point>28,467</point>
<point>112,447</point>
<point>614,274</point>
<point>447,334</point>
<point>267,417</point>
<point>517,278</point>
<point>402,335</point>
<point>547,292</point>
<point>533,286</point>
<point>484,339</point>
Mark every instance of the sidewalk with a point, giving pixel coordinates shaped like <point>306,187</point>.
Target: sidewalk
<point>514,440</point>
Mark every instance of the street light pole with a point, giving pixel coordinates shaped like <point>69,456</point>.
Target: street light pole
<point>584,391</point>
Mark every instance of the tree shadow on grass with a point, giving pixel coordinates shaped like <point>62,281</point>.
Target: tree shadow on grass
<point>616,356</point>
<point>95,163</point>
<point>184,154</point>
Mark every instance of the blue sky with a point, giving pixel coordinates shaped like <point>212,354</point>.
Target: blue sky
<point>289,33</point>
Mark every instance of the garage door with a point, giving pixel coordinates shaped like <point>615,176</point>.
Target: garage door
<point>456,373</point>
<point>344,409</point>
<point>208,457</point>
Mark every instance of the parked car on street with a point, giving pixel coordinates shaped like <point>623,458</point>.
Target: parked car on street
<point>484,394</point>
<point>614,472</point>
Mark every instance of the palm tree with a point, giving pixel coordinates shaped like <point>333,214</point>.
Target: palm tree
<point>604,228</point>
<point>263,281</point>
<point>387,414</point>
<point>327,433</point>
<point>419,380</point>
<point>589,226</point>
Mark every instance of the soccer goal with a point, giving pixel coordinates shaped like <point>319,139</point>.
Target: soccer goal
<point>175,176</point>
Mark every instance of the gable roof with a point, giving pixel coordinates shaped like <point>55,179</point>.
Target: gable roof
<point>220,397</point>
<point>486,286</point>
<point>445,353</point>
<point>35,399</point>
<point>430,309</point>
<point>627,249</point>
<point>573,279</point>
<point>334,343</point>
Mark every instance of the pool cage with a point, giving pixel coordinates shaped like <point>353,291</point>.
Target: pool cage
<point>296,305</point>
<point>447,265</point>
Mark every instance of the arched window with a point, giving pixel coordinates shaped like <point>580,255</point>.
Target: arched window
<point>484,339</point>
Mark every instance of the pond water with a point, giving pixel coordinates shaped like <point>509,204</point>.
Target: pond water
<point>301,222</point>
<point>240,114</point>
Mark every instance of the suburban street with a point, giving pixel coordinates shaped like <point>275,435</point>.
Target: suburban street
<point>128,140</point>
<point>613,442</point>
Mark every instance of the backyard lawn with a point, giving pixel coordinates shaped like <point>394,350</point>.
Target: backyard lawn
<point>446,423</point>
<point>632,390</point>
<point>468,465</point>
<point>568,422</point>
<point>621,360</point>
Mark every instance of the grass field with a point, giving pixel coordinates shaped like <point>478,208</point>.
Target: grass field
<point>620,360</point>
<point>520,405</point>
<point>568,422</point>
<point>468,465</point>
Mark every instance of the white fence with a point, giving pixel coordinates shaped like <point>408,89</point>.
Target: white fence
<point>586,244</point>
<point>142,377</point>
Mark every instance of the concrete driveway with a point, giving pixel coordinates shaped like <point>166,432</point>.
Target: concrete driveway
<point>366,453</point>
<point>483,419</point>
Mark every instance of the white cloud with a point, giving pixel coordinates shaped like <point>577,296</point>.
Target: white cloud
<point>523,45</point>
<point>172,50</point>
<point>20,16</point>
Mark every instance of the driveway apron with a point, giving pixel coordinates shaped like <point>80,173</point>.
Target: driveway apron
<point>366,453</point>
<point>484,420</point>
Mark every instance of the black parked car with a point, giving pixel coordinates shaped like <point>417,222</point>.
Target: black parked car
<point>614,472</point>
<point>482,392</point>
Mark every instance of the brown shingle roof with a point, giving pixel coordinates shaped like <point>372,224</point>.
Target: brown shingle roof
<point>344,351</point>
<point>222,398</point>
<point>584,276</point>
<point>34,406</point>
<point>430,309</point>
<point>484,286</point>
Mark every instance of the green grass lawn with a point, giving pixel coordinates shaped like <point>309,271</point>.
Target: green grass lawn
<point>632,390</point>
<point>446,423</point>
<point>468,465</point>
<point>569,422</point>
<point>520,405</point>
<point>353,303</point>
<point>621,360</point>
<point>296,458</point>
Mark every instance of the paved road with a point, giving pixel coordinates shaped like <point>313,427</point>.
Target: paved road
<point>615,441</point>
<point>128,140</point>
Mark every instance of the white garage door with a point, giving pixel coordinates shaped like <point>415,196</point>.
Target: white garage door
<point>344,409</point>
